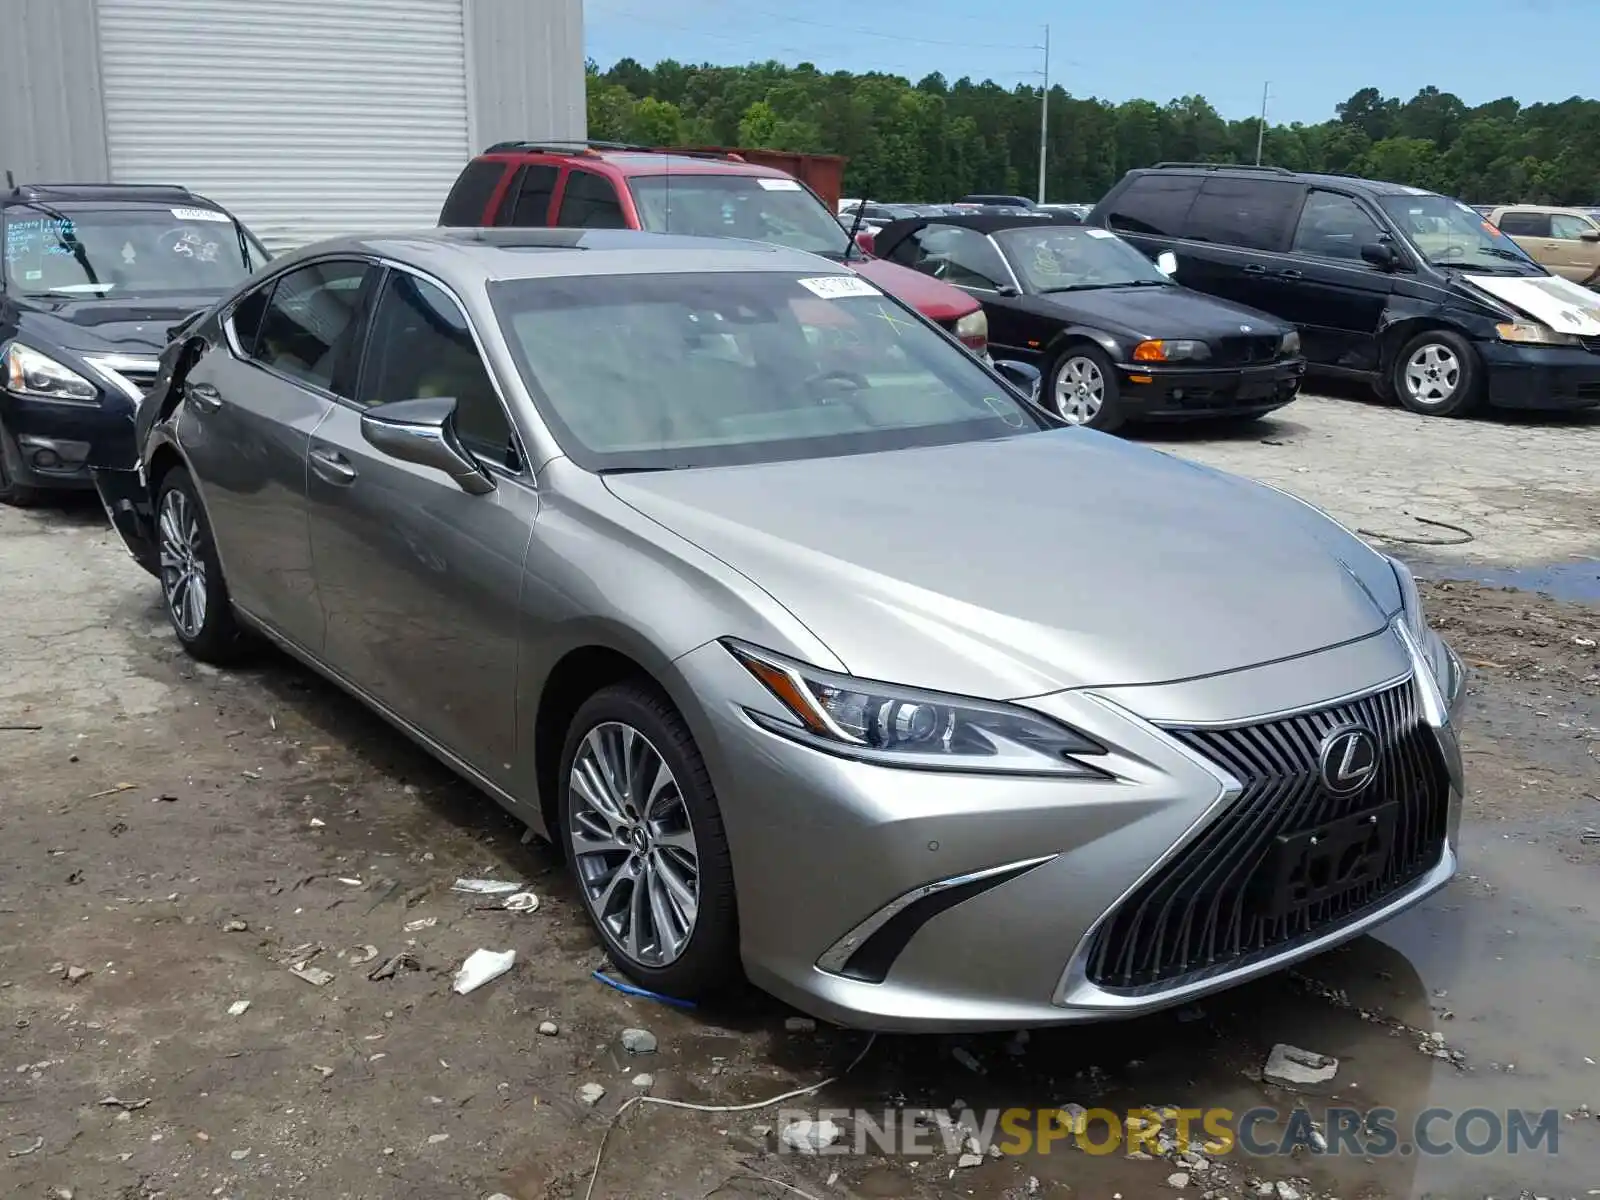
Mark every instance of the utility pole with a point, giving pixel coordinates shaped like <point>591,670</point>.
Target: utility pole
<point>1044,112</point>
<point>1261,129</point>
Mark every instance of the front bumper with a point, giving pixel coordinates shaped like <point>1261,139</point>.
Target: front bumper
<point>1006,879</point>
<point>58,444</point>
<point>127,505</point>
<point>1541,377</point>
<point>1168,392</point>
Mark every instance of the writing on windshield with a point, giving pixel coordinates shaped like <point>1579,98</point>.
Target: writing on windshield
<point>89,251</point>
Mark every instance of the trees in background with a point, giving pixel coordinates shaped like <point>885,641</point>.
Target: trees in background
<point>934,140</point>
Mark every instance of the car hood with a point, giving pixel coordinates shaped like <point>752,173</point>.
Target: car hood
<point>120,326</point>
<point>1027,565</point>
<point>1159,312</point>
<point>934,299</point>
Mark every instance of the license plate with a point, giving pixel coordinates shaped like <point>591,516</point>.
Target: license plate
<point>1251,390</point>
<point>1314,864</point>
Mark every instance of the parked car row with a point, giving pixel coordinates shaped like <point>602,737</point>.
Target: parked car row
<point>633,531</point>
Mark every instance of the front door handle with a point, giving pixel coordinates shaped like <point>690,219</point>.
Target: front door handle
<point>333,467</point>
<point>203,396</point>
<point>1291,273</point>
<point>1254,269</point>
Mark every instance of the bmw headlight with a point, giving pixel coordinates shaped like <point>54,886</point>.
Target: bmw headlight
<point>40,377</point>
<point>904,727</point>
<point>1445,677</point>
<point>1171,350</point>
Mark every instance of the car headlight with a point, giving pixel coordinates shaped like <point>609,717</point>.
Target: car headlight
<point>1290,345</point>
<point>1531,333</point>
<point>40,377</point>
<point>904,727</point>
<point>1445,679</point>
<point>973,330</point>
<point>1169,350</point>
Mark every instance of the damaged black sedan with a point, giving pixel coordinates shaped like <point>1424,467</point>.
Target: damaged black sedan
<point>1113,336</point>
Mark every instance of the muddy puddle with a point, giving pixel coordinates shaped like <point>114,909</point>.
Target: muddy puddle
<point>1576,582</point>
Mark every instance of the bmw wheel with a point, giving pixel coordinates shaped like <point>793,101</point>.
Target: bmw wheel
<point>1082,389</point>
<point>1436,374</point>
<point>192,586</point>
<point>641,828</point>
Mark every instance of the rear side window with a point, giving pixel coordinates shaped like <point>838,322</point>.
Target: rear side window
<point>590,202</point>
<point>1154,204</point>
<point>1254,213</point>
<point>1525,224</point>
<point>527,203</point>
<point>310,320</point>
<point>468,201</point>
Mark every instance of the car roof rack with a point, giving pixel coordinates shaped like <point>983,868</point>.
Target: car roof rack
<point>1208,166</point>
<point>591,146</point>
<point>169,192</point>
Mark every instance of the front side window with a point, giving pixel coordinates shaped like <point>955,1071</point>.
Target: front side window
<point>88,250</point>
<point>309,321</point>
<point>1154,204</point>
<point>1568,227</point>
<point>960,256</point>
<point>590,202</point>
<point>655,372</point>
<point>780,211</point>
<point>1248,212</point>
<point>248,313</point>
<point>421,346</point>
<point>1069,258</point>
<point>1450,234</point>
<point>1334,226</point>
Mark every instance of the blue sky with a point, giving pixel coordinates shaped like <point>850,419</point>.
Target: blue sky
<point>1314,53</point>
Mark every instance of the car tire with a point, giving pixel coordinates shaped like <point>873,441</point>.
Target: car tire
<point>638,859</point>
<point>1081,388</point>
<point>17,495</point>
<point>192,587</point>
<point>1438,374</point>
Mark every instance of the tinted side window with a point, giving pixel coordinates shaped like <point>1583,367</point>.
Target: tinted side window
<point>1525,224</point>
<point>421,346</point>
<point>247,316</point>
<point>532,190</point>
<point>309,321</point>
<point>1254,213</point>
<point>469,199</point>
<point>1154,204</point>
<point>590,202</point>
<point>1334,226</point>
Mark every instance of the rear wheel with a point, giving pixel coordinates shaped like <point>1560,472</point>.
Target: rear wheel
<point>192,586</point>
<point>1082,389</point>
<point>18,495</point>
<point>1437,374</point>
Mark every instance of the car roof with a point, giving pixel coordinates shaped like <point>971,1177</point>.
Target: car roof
<point>138,193</point>
<point>1559,209</point>
<point>471,256</point>
<point>633,160</point>
<point>1352,183</point>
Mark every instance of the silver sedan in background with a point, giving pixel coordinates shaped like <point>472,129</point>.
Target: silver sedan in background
<point>821,652</point>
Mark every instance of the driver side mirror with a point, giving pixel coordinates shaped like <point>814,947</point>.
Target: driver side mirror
<point>1380,254</point>
<point>1023,376</point>
<point>423,432</point>
<point>867,242</point>
<point>1589,235</point>
<point>1167,264</point>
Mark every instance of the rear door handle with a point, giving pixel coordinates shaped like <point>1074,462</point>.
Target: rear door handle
<point>1254,269</point>
<point>1291,273</point>
<point>332,466</point>
<point>204,397</point>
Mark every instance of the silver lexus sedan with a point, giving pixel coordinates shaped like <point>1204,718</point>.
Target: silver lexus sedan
<point>822,653</point>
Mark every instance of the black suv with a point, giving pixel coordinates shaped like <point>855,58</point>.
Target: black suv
<point>94,277</point>
<point>1414,292</point>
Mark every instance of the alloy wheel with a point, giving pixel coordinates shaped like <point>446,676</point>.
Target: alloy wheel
<point>633,844</point>
<point>1080,390</point>
<point>183,568</point>
<point>1432,374</point>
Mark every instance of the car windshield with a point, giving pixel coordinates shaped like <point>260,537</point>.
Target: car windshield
<point>68,250</point>
<point>780,211</point>
<point>1066,258</point>
<point>1451,234</point>
<point>653,372</point>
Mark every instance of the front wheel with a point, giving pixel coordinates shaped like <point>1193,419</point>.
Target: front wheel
<point>1437,374</point>
<point>17,495</point>
<point>642,830</point>
<point>191,575</point>
<point>1081,389</point>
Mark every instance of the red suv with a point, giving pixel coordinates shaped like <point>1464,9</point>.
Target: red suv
<point>590,185</point>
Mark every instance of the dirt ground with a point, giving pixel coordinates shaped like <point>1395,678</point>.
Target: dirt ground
<point>174,839</point>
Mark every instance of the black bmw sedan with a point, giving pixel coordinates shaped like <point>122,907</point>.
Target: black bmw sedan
<point>1115,339</point>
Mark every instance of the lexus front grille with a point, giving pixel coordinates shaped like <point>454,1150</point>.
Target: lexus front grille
<point>1240,891</point>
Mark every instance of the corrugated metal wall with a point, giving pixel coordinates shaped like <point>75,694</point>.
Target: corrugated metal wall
<point>525,59</point>
<point>51,124</point>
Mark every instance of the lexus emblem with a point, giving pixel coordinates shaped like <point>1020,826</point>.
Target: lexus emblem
<point>1349,760</point>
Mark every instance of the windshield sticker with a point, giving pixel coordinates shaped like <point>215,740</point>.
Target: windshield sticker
<point>200,214</point>
<point>834,287</point>
<point>38,237</point>
<point>30,276</point>
<point>779,185</point>
<point>1099,233</point>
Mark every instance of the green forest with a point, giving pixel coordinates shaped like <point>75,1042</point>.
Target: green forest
<point>934,140</point>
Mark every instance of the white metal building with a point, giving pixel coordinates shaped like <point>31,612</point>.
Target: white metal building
<point>305,117</point>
